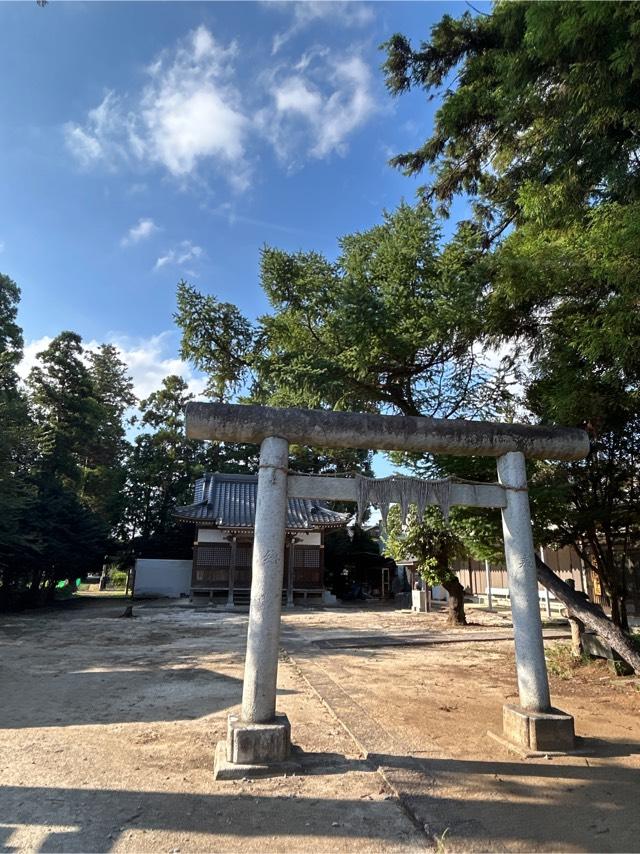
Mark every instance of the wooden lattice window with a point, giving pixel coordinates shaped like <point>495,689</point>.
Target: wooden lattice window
<point>243,555</point>
<point>214,555</point>
<point>307,557</point>
<point>307,568</point>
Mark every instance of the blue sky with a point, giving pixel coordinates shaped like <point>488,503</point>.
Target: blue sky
<point>145,142</point>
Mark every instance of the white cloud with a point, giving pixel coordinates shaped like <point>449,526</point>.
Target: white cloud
<point>137,188</point>
<point>152,359</point>
<point>190,112</point>
<point>296,96</point>
<point>315,110</point>
<point>184,253</point>
<point>83,144</point>
<point>31,350</point>
<point>187,112</point>
<point>305,60</point>
<point>143,229</point>
<point>190,109</point>
<point>308,12</point>
<point>105,136</point>
<point>203,43</point>
<point>149,360</point>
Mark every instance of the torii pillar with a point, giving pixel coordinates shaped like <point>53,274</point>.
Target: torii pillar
<point>259,736</point>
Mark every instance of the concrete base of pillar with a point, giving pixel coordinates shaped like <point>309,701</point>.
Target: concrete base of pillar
<point>535,733</point>
<point>225,770</point>
<point>253,749</point>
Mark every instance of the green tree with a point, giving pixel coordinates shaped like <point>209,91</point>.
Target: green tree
<point>162,467</point>
<point>468,531</point>
<point>381,329</point>
<point>372,331</point>
<point>539,114</point>
<point>66,411</point>
<point>10,333</point>
<point>568,295</point>
<point>354,548</point>
<point>105,471</point>
<point>16,451</point>
<point>71,538</point>
<point>390,326</point>
<point>434,544</point>
<point>540,130</point>
<point>216,338</point>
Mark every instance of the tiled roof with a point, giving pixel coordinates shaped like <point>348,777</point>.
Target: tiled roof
<point>229,501</point>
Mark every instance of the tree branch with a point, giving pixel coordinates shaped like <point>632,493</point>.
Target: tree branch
<point>592,616</point>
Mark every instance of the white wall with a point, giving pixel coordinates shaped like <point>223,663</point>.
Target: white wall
<point>312,538</point>
<point>439,593</point>
<point>212,535</point>
<point>163,578</point>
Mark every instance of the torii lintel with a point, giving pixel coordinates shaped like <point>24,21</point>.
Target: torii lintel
<point>229,422</point>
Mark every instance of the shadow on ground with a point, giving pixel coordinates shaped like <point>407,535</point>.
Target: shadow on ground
<point>90,819</point>
<point>502,805</point>
<point>94,819</point>
<point>124,696</point>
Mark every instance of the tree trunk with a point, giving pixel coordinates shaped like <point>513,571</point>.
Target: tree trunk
<point>612,581</point>
<point>577,627</point>
<point>618,610</point>
<point>591,615</point>
<point>456,602</point>
<point>48,591</point>
<point>33,596</point>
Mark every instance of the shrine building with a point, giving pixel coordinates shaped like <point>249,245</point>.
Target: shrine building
<point>223,512</point>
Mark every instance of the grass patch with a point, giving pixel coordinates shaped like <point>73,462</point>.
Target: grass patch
<point>562,663</point>
<point>441,842</point>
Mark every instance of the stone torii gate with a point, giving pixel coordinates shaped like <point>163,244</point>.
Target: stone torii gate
<point>259,736</point>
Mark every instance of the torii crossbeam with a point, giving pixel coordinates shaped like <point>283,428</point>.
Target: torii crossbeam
<point>259,736</point>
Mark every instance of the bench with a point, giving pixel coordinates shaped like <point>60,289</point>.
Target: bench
<point>503,592</point>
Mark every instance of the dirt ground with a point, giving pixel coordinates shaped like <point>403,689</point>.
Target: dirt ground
<point>108,727</point>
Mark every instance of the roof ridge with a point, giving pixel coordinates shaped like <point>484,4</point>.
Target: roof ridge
<point>229,502</point>
<point>227,476</point>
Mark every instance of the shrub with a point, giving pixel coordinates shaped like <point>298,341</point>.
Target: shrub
<point>117,578</point>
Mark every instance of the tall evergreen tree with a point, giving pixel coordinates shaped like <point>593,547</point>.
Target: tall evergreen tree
<point>66,417</point>
<point>66,411</point>
<point>106,454</point>
<point>162,467</point>
<point>542,119</point>
<point>16,449</point>
<point>540,131</point>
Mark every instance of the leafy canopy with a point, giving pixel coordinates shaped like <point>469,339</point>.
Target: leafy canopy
<point>388,326</point>
<point>540,113</point>
<point>539,125</point>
